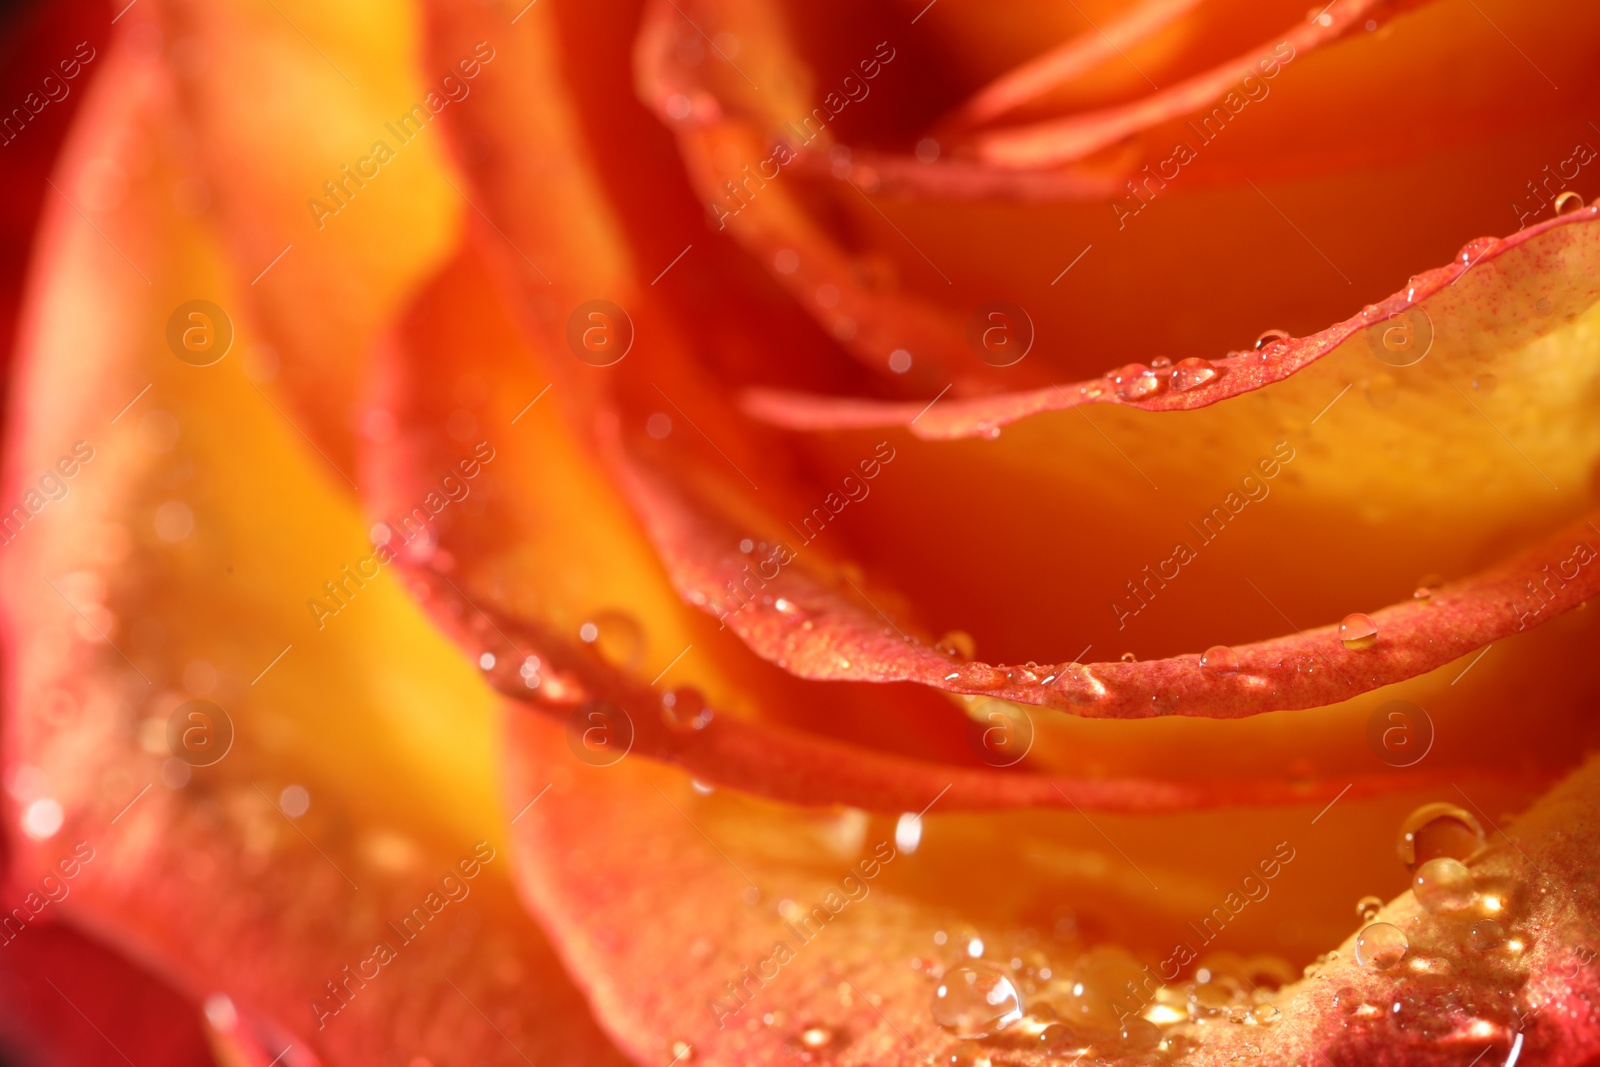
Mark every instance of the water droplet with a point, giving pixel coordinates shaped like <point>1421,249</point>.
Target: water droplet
<point>1486,934</point>
<point>1356,632</point>
<point>1129,657</point>
<point>1135,381</point>
<point>979,676</point>
<point>1095,987</point>
<point>1443,884</point>
<point>1140,1035</point>
<point>1473,250</point>
<point>1192,373</point>
<point>1568,202</point>
<point>1266,1014</point>
<point>1269,337</point>
<point>975,1000</point>
<point>1368,907</point>
<point>1219,659</point>
<point>815,1037</point>
<point>957,644</point>
<point>1381,946</point>
<point>1058,1037</point>
<point>1160,363</point>
<point>1422,593</point>
<point>1485,383</point>
<point>684,710</point>
<point>1438,830</point>
<point>617,637</point>
<point>682,1052</point>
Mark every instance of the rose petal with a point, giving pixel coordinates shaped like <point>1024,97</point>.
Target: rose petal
<point>71,1001</point>
<point>1552,261</point>
<point>1048,143</point>
<point>127,597</point>
<point>1068,60</point>
<point>749,873</point>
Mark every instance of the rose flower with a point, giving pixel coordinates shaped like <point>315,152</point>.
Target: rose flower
<point>764,533</point>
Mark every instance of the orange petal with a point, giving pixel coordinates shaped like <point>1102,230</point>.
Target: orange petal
<point>272,874</point>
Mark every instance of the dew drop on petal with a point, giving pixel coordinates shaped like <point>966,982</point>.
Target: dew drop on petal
<point>1438,830</point>
<point>1568,202</point>
<point>1135,381</point>
<point>1368,907</point>
<point>1443,884</point>
<point>1096,986</point>
<point>1057,1037</point>
<point>1192,373</point>
<point>1381,946</point>
<point>1486,934</point>
<point>617,637</point>
<point>815,1037</point>
<point>1473,250</point>
<point>975,1000</point>
<point>1140,1035</point>
<point>1129,657</point>
<point>684,710</point>
<point>1269,336</point>
<point>1357,631</point>
<point>1219,659</point>
<point>979,676</point>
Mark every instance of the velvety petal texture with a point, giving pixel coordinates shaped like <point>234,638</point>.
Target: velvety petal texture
<point>665,532</point>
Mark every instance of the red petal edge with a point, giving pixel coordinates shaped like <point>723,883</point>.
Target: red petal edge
<point>1238,373</point>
